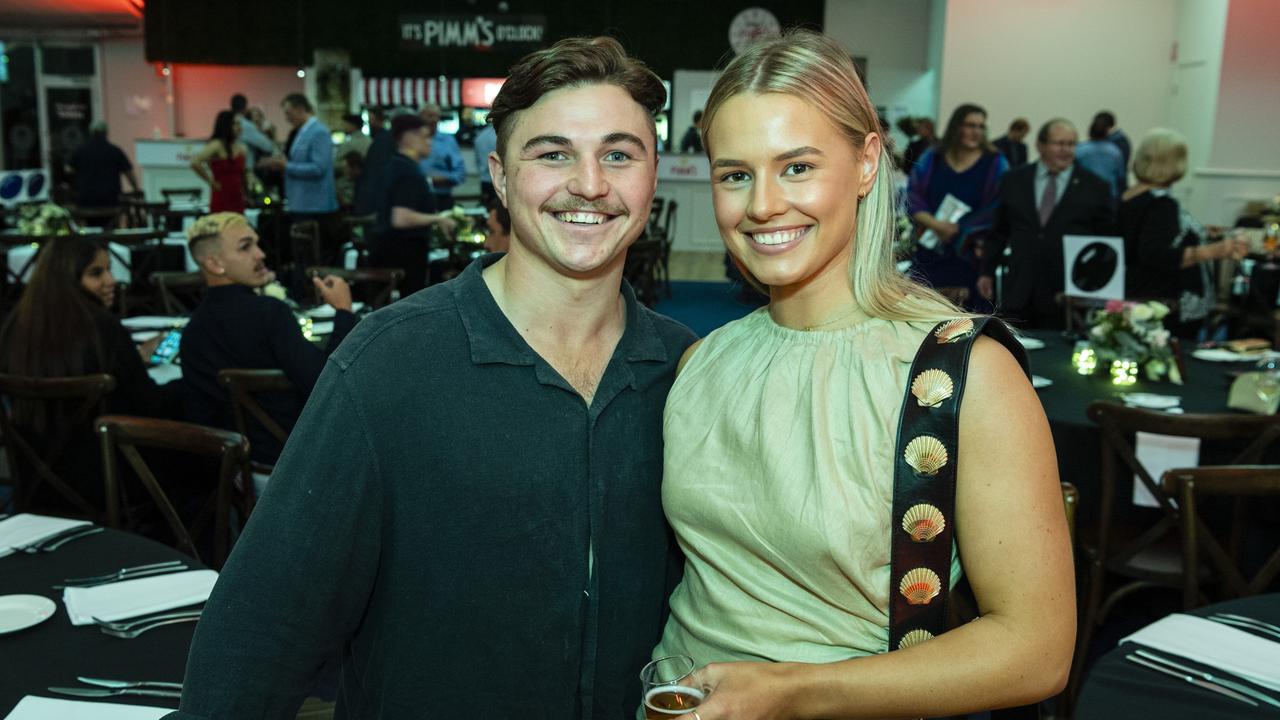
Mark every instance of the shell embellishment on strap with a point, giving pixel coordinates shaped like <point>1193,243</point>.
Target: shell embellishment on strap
<point>931,387</point>
<point>920,585</point>
<point>923,522</point>
<point>926,455</point>
<point>915,637</point>
<point>955,331</point>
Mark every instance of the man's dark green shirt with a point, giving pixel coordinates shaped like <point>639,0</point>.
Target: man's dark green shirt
<point>453,519</point>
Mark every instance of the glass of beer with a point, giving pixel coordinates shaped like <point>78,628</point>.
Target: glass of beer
<point>667,687</point>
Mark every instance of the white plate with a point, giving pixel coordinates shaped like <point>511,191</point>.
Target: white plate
<point>18,612</point>
<point>327,311</point>
<point>1038,382</point>
<point>1151,401</point>
<point>1030,343</point>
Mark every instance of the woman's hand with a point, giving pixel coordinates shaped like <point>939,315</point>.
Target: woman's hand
<point>217,186</point>
<point>946,230</point>
<point>148,348</point>
<point>746,691</point>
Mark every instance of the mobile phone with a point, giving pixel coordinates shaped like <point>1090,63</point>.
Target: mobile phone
<point>167,349</point>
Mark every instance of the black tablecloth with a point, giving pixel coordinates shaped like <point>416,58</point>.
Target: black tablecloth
<point>1077,439</point>
<point>1119,689</point>
<point>54,652</point>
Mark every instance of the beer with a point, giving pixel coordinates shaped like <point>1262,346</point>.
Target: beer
<point>667,701</point>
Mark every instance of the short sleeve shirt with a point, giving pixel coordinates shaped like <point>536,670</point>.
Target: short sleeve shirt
<point>403,185</point>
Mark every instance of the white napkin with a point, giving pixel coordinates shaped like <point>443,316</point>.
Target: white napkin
<point>1222,646</point>
<point>134,598</point>
<point>42,708</point>
<point>24,529</point>
<point>1029,343</point>
<point>328,311</point>
<point>1038,382</point>
<point>322,328</point>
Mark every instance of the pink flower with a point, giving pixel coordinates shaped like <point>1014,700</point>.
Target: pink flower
<point>1115,306</point>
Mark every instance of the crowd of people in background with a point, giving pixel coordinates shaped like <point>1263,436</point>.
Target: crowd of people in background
<point>1012,214</point>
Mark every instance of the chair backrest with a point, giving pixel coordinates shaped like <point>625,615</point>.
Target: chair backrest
<point>304,242</point>
<point>656,209</point>
<point>1118,423</point>
<point>1070,501</point>
<point>242,384</point>
<point>179,291</point>
<point>381,282</point>
<point>90,391</point>
<point>669,223</point>
<point>1243,484</point>
<point>127,434</point>
<point>190,194</point>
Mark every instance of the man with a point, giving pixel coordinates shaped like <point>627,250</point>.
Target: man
<point>443,167</point>
<point>97,165</point>
<point>250,134</point>
<point>469,509</point>
<point>1010,144</point>
<point>1107,120</point>
<point>692,140</point>
<point>924,140</point>
<point>1039,203</point>
<point>235,327</point>
<point>400,236</point>
<point>357,141</point>
<point>1103,158</point>
<point>486,142</point>
<point>309,188</point>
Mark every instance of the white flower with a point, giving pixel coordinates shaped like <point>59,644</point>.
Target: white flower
<point>1099,332</point>
<point>274,290</point>
<point>1158,338</point>
<point>1142,312</point>
<point>1159,309</point>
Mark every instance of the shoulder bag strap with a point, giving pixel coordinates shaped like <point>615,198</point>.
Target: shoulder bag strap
<point>924,480</point>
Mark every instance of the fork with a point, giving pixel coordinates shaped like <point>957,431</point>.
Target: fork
<point>1246,623</point>
<point>135,632</point>
<point>120,574</point>
<point>130,624</point>
<point>68,534</point>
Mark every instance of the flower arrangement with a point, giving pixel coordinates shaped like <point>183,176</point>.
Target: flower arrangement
<point>45,219</point>
<point>1134,332</point>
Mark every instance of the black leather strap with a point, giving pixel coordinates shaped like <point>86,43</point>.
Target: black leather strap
<point>925,556</point>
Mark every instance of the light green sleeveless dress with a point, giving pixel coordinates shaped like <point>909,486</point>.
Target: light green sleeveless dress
<point>778,482</point>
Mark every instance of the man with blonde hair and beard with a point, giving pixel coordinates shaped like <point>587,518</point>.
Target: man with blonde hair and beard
<point>469,511</point>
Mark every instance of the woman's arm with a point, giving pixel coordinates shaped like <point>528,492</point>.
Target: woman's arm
<point>1011,528</point>
<point>199,163</point>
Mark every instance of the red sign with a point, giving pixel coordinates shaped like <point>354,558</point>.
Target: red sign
<point>480,92</point>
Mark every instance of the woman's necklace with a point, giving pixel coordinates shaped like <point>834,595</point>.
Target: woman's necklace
<point>832,320</point>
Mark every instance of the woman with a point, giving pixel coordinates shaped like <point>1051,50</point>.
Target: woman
<point>62,327</point>
<point>780,436</point>
<point>968,168</point>
<point>221,163</point>
<point>1167,253</point>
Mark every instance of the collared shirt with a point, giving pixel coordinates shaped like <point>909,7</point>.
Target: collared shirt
<point>445,160</point>
<point>308,178</point>
<point>1103,158</point>
<point>1042,179</point>
<point>452,518</point>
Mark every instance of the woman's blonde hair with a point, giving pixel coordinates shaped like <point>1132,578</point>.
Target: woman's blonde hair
<point>816,69</point>
<point>1161,158</point>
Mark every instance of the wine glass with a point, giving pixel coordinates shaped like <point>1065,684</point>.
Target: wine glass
<point>667,688</point>
<point>1268,387</point>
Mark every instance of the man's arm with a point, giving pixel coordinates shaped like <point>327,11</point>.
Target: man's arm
<point>298,582</point>
<point>250,135</point>
<point>314,158</point>
<point>454,172</point>
<point>300,359</point>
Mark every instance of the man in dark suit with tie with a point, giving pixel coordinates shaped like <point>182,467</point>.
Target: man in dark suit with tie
<point>1010,144</point>
<point>1039,203</point>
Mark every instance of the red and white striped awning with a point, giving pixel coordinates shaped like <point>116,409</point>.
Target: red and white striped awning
<point>412,92</point>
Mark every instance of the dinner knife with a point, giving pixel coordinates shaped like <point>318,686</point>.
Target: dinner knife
<point>1212,687</point>
<point>1210,677</point>
<point>109,692</point>
<point>129,683</point>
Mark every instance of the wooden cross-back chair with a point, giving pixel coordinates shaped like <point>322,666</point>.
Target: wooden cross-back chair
<point>178,292</point>
<point>242,386</point>
<point>1151,556</point>
<point>1243,484</point>
<point>90,392</point>
<point>379,284</point>
<point>125,435</point>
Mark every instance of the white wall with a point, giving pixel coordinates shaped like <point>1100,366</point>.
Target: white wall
<point>894,36</point>
<point>1247,131</point>
<point>1045,58</point>
<point>689,92</point>
<point>132,94</point>
<point>200,91</point>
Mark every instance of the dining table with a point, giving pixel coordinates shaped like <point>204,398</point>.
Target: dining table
<point>54,652</point>
<point>1119,688</point>
<point>1068,394</point>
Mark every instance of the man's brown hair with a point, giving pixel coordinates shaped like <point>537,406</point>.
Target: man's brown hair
<point>573,62</point>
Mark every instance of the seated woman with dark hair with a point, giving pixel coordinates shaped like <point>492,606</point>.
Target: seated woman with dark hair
<point>62,327</point>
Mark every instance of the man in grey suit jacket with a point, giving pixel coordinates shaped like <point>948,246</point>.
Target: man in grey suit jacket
<point>308,177</point>
<point>1039,203</point>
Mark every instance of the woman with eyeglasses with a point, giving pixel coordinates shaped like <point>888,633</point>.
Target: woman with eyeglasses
<point>968,168</point>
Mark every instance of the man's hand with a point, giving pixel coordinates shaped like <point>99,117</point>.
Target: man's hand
<point>275,162</point>
<point>447,224</point>
<point>986,287</point>
<point>333,290</point>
